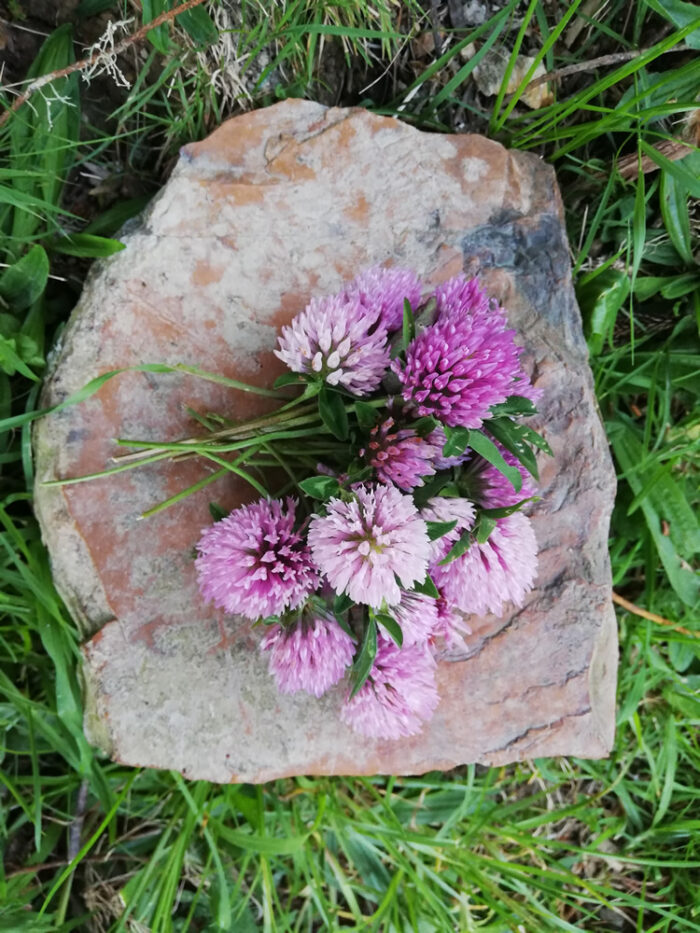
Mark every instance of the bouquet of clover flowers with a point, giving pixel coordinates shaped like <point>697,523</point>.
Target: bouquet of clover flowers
<point>407,466</point>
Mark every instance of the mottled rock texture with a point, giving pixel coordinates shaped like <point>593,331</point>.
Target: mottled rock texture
<point>274,207</point>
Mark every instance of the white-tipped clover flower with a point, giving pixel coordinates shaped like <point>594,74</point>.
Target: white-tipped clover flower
<point>338,340</point>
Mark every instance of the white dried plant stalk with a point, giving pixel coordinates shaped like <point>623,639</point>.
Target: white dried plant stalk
<point>104,48</point>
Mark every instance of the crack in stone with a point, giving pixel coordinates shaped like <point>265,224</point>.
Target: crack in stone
<point>487,639</point>
<point>516,739</point>
<point>570,675</point>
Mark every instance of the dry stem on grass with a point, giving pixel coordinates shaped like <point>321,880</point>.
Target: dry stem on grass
<point>102,55</point>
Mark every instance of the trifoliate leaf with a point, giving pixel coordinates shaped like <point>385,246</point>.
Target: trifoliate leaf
<point>287,379</point>
<point>458,439</point>
<point>514,405</point>
<point>409,325</point>
<point>366,415</point>
<point>438,529</point>
<point>483,528</point>
<point>461,546</point>
<point>511,436</point>
<point>427,588</point>
<point>486,448</point>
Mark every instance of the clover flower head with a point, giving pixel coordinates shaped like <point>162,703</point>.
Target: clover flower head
<point>364,544</point>
<point>399,695</point>
<point>459,367</point>
<point>311,654</point>
<point>339,340</point>
<point>488,576</point>
<point>451,625</point>
<point>399,455</point>
<point>417,615</point>
<point>384,291</point>
<point>461,296</point>
<point>253,563</point>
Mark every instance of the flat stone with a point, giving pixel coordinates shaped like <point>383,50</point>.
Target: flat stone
<point>274,207</point>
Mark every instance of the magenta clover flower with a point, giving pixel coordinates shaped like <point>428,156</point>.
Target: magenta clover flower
<point>460,297</point>
<point>338,340</point>
<point>400,456</point>
<point>254,563</point>
<point>384,291</point>
<point>399,695</point>
<point>309,655</point>
<point>364,544</point>
<point>489,488</point>
<point>459,367</point>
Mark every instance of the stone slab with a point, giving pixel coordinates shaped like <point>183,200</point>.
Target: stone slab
<point>274,207</point>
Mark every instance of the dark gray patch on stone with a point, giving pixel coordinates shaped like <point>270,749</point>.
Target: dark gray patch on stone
<point>538,253</point>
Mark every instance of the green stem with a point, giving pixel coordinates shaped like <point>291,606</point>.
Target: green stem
<point>224,381</point>
<point>195,487</point>
<point>154,458</point>
<point>246,429</point>
<point>242,473</point>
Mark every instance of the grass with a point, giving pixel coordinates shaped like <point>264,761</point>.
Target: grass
<point>545,845</point>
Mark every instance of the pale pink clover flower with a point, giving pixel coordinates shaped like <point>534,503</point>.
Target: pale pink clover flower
<point>363,545</point>
<point>384,291</point>
<point>417,614</point>
<point>311,655</point>
<point>451,625</point>
<point>399,695</point>
<point>488,576</point>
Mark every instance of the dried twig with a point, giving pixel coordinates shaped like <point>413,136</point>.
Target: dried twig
<point>628,166</point>
<point>651,616</point>
<point>615,58</point>
<point>97,56</point>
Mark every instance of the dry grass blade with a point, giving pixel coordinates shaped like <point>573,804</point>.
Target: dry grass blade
<point>651,616</point>
<point>97,56</point>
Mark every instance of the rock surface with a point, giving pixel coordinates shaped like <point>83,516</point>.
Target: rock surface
<point>274,207</point>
